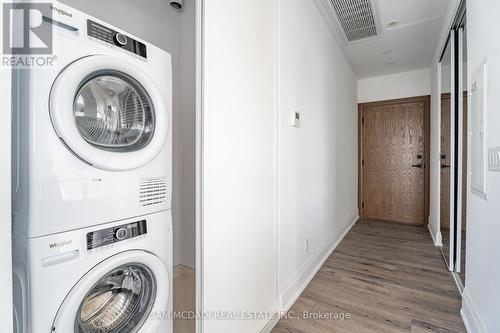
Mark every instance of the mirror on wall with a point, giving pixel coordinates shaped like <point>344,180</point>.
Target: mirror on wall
<point>446,155</point>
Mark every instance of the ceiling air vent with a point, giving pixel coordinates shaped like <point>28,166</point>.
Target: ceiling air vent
<point>356,18</point>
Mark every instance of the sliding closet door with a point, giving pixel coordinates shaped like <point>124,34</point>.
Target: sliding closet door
<point>238,163</point>
<point>454,127</point>
<point>447,195</point>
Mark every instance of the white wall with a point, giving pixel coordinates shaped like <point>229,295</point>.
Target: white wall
<point>317,163</point>
<point>482,283</point>
<point>267,187</point>
<point>239,161</point>
<point>174,31</point>
<point>5,202</point>
<point>401,85</point>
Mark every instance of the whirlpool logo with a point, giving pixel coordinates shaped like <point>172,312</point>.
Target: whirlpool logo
<point>59,245</point>
<point>60,11</point>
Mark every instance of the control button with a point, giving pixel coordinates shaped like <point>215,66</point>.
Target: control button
<point>121,39</point>
<point>121,234</point>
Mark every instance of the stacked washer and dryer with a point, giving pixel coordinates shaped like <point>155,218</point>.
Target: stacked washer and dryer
<point>92,183</point>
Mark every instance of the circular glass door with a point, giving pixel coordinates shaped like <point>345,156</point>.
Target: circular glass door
<point>119,302</point>
<point>114,112</point>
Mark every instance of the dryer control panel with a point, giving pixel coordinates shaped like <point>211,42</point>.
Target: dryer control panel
<point>115,38</point>
<point>99,238</point>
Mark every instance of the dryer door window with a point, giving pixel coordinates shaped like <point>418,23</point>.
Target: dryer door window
<point>114,112</point>
<point>119,302</point>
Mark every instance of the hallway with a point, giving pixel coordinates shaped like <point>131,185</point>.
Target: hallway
<point>387,277</point>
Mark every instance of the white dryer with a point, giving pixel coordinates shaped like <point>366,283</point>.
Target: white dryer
<point>113,278</point>
<point>92,137</point>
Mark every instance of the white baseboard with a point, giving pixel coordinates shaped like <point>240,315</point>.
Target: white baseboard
<point>436,236</point>
<point>470,315</point>
<point>439,239</point>
<point>181,270</point>
<point>294,287</point>
<point>270,325</point>
<point>458,282</point>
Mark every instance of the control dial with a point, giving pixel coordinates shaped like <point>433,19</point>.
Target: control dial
<point>121,233</point>
<point>121,39</point>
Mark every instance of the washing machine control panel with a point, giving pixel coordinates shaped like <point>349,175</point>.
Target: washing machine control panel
<point>104,237</point>
<point>115,38</point>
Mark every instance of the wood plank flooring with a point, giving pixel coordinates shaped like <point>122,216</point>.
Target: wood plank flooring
<point>388,277</point>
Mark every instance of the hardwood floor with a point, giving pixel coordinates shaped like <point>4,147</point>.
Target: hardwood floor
<point>388,277</point>
<point>445,238</point>
<point>463,253</point>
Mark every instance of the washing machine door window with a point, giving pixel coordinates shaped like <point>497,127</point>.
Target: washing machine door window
<point>123,293</point>
<point>118,302</point>
<point>114,112</point>
<point>109,112</point>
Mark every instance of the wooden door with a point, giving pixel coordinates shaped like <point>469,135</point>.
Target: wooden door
<point>394,178</point>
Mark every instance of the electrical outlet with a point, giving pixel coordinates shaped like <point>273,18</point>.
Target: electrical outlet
<point>306,245</point>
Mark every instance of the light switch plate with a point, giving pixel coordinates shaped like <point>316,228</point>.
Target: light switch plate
<point>494,159</point>
<point>295,118</point>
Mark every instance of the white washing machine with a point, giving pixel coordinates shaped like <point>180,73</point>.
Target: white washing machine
<point>113,278</point>
<point>92,132</point>
<point>92,150</point>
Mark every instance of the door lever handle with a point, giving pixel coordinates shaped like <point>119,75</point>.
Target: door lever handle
<point>445,166</point>
<point>420,166</point>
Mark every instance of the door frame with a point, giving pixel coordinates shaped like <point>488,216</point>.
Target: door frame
<point>427,147</point>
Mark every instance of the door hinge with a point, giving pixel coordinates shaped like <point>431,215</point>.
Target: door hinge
<point>363,204</point>
<point>362,162</point>
<point>363,121</point>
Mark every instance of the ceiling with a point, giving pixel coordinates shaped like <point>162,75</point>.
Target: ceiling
<point>408,44</point>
